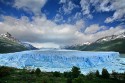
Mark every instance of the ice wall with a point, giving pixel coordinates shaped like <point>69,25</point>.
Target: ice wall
<point>49,59</point>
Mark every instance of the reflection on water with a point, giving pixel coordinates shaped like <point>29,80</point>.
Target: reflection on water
<point>122,55</point>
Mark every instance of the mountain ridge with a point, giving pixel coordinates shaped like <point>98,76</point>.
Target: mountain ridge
<point>8,43</point>
<point>108,43</point>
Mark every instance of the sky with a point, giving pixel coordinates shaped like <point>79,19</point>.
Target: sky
<point>58,23</point>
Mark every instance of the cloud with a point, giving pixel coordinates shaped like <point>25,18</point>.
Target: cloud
<point>7,2</point>
<point>67,6</point>
<point>117,6</point>
<point>102,31</point>
<point>30,5</point>
<point>42,32</point>
<point>58,18</point>
<point>62,1</point>
<point>80,24</point>
<point>108,32</point>
<point>74,18</point>
<point>45,45</point>
<point>118,15</point>
<point>92,29</point>
<point>85,5</point>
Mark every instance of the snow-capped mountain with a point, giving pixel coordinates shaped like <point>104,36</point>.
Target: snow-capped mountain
<point>108,43</point>
<point>8,43</point>
<point>86,43</point>
<point>112,37</point>
<point>29,46</point>
<point>9,37</point>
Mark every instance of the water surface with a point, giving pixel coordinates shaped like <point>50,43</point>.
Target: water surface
<point>122,55</point>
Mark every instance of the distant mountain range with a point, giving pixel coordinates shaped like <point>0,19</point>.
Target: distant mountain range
<point>10,44</point>
<point>108,43</point>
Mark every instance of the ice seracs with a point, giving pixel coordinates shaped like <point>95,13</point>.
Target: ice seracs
<point>61,60</point>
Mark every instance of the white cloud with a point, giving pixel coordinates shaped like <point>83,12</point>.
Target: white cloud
<point>78,15</point>
<point>30,5</point>
<point>62,1</point>
<point>67,6</point>
<point>117,6</point>
<point>43,32</point>
<point>85,6</point>
<point>104,31</point>
<point>58,18</point>
<point>80,24</point>
<point>45,45</point>
<point>74,18</point>
<point>108,32</point>
<point>118,15</point>
<point>92,29</point>
<point>102,5</point>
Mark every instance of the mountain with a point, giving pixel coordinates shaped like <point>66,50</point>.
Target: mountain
<point>112,37</point>
<point>10,44</point>
<point>108,43</point>
<point>29,46</point>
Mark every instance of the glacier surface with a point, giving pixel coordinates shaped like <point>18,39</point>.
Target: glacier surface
<point>64,60</point>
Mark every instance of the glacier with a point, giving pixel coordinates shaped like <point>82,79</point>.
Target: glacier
<point>63,60</point>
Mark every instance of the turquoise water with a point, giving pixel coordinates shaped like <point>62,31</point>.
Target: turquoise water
<point>122,55</point>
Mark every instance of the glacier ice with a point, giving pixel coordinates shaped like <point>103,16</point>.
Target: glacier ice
<point>63,60</point>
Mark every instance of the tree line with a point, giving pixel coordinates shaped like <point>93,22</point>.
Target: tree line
<point>73,76</point>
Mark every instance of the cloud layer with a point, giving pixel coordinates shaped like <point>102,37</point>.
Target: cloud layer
<point>117,6</point>
<point>43,31</point>
<point>30,5</point>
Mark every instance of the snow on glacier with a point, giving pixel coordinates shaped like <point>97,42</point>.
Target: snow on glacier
<point>63,60</point>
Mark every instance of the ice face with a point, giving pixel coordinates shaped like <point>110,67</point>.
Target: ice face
<point>60,60</point>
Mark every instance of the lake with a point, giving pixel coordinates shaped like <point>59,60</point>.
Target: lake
<point>122,55</point>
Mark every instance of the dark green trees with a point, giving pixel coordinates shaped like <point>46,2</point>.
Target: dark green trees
<point>67,74</point>
<point>114,74</point>
<point>56,74</point>
<point>4,71</point>
<point>105,73</point>
<point>78,80</point>
<point>75,72</point>
<point>97,73</point>
<point>73,75</point>
<point>38,71</point>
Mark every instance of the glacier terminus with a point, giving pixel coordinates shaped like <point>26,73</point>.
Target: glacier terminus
<point>63,60</point>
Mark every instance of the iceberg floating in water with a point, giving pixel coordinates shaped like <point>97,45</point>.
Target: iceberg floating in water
<point>61,60</point>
